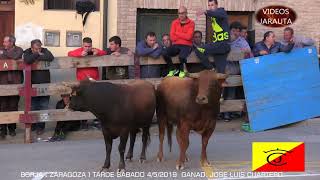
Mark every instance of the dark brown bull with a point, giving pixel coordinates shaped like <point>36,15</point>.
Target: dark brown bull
<point>121,108</point>
<point>192,104</point>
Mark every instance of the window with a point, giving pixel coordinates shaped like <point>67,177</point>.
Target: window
<point>156,20</point>
<point>74,39</point>
<point>52,38</point>
<point>65,4</point>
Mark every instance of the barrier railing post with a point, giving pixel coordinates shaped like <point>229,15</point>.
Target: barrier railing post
<point>27,92</point>
<point>137,74</point>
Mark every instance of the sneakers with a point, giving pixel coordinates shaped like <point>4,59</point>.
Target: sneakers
<point>246,127</point>
<point>182,74</point>
<point>12,133</point>
<point>57,137</point>
<point>173,73</point>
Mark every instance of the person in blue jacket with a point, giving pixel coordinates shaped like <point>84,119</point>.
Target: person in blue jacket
<point>219,47</point>
<point>149,47</point>
<point>269,45</point>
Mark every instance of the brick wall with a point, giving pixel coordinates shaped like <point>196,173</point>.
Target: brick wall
<point>127,16</point>
<point>307,22</point>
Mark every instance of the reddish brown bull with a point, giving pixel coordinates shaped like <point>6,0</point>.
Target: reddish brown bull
<point>192,104</point>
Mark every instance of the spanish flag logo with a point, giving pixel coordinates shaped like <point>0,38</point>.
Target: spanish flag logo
<point>278,156</point>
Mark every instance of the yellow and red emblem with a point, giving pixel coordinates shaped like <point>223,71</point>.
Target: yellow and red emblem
<point>278,157</point>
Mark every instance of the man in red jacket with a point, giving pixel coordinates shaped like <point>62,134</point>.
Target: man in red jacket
<point>87,50</point>
<point>89,72</point>
<point>181,35</point>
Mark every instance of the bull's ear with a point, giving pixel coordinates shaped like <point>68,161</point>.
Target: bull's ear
<point>193,75</point>
<point>222,79</point>
<point>221,76</point>
<point>73,87</point>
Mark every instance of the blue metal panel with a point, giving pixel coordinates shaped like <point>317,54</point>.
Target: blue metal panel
<point>281,88</point>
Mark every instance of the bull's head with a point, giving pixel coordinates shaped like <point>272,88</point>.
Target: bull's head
<point>209,84</point>
<point>77,101</point>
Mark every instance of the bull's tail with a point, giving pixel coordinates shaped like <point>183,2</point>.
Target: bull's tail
<point>169,134</point>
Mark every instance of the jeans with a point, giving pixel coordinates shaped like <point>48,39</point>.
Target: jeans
<point>39,103</point>
<point>219,51</point>
<point>8,103</point>
<point>182,50</point>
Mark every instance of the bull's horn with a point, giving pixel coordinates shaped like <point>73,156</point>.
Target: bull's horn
<point>91,79</point>
<point>221,76</point>
<point>69,85</point>
<point>193,75</point>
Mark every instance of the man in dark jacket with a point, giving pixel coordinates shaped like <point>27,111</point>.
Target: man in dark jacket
<point>9,103</point>
<point>219,47</point>
<point>117,72</point>
<point>269,45</point>
<point>63,127</point>
<point>33,55</point>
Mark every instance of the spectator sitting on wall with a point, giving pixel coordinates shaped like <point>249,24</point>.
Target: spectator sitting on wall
<point>9,103</point>
<point>269,45</point>
<point>33,55</point>
<point>151,48</point>
<point>117,72</point>
<point>219,47</point>
<point>88,72</point>
<point>63,127</point>
<point>197,39</point>
<point>299,41</point>
<point>181,34</point>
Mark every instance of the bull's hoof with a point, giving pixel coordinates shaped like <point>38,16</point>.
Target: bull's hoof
<point>159,159</point>
<point>187,159</point>
<point>205,163</point>
<point>129,157</point>
<point>142,161</point>
<point>180,167</point>
<point>121,170</point>
<point>103,169</point>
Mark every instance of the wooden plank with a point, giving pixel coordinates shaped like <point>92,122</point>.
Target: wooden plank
<point>233,56</point>
<point>66,115</point>
<point>59,88</point>
<point>70,62</point>
<point>278,92</point>
<point>101,61</point>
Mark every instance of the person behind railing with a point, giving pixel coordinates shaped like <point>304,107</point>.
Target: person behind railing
<point>166,42</point>
<point>240,45</point>
<point>33,55</point>
<point>299,41</point>
<point>181,34</point>
<point>149,47</point>
<point>117,72</point>
<point>219,47</point>
<point>89,72</point>
<point>63,127</point>
<point>197,39</point>
<point>9,103</point>
<point>269,45</point>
